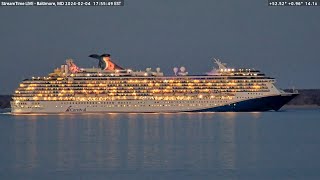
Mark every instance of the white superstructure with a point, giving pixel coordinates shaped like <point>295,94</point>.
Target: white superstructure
<point>110,88</point>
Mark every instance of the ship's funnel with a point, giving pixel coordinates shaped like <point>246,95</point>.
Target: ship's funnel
<point>105,62</point>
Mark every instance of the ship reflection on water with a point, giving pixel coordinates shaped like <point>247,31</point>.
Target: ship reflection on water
<point>267,145</point>
<point>133,141</point>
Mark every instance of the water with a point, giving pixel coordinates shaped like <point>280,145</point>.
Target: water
<point>269,145</point>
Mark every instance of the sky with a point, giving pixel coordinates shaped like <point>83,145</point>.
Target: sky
<point>282,42</point>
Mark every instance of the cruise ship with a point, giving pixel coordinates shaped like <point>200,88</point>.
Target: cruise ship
<point>109,88</point>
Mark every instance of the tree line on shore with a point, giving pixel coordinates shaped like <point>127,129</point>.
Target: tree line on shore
<point>307,97</point>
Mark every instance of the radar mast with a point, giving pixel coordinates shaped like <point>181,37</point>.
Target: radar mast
<point>220,64</point>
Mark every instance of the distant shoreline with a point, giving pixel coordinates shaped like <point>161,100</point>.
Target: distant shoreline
<point>288,106</point>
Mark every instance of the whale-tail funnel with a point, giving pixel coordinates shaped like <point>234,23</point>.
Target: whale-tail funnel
<point>105,62</point>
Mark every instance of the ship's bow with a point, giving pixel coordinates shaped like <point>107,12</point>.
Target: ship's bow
<point>282,99</point>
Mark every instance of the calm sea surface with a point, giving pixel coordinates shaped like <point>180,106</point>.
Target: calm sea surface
<point>268,145</point>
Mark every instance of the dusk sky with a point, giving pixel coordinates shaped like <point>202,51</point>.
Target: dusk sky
<point>283,42</point>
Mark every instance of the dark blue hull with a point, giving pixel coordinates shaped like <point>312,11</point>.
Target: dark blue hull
<point>259,104</point>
